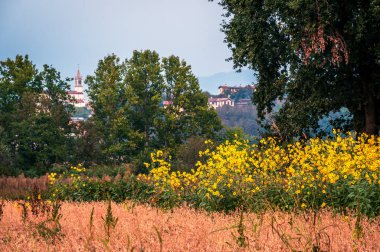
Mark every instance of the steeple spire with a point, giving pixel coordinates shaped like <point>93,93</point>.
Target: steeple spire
<point>78,79</point>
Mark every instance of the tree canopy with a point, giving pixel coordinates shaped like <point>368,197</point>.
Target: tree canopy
<point>147,102</point>
<point>34,117</point>
<point>318,56</point>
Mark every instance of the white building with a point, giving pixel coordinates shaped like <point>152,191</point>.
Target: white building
<point>220,102</point>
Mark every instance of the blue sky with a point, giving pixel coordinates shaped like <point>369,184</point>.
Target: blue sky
<point>70,32</point>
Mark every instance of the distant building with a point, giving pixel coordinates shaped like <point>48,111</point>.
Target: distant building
<point>77,95</point>
<point>228,90</point>
<point>220,102</point>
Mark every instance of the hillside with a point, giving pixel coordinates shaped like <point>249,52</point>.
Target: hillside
<point>244,117</point>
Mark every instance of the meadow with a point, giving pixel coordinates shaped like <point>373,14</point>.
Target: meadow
<point>146,228</point>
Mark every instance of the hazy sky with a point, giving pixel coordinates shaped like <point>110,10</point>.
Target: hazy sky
<point>65,33</point>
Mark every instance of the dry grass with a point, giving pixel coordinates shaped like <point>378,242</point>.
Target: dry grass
<point>142,227</point>
<point>21,187</point>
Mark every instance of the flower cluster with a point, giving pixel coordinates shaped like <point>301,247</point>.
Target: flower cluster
<point>71,178</point>
<point>312,174</point>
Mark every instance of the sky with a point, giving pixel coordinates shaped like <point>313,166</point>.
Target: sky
<point>68,33</point>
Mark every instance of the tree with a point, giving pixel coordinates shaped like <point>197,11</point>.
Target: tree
<point>188,113</point>
<point>128,101</point>
<point>109,99</point>
<point>34,116</point>
<point>319,56</point>
<point>144,87</point>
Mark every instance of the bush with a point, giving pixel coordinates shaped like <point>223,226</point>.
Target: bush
<point>75,185</point>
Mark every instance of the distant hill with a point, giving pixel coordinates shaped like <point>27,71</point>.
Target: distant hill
<point>211,83</point>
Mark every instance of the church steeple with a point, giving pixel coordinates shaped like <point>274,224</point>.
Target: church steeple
<point>78,82</point>
<point>78,93</point>
<point>78,79</point>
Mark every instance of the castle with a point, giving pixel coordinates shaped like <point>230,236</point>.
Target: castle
<point>228,90</point>
<point>228,96</point>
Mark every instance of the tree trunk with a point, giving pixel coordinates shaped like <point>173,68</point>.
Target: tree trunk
<point>369,109</point>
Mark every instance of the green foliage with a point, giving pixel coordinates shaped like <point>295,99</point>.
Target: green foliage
<point>75,185</point>
<point>108,95</point>
<point>144,88</point>
<point>88,147</point>
<point>93,171</point>
<point>187,154</point>
<point>129,111</point>
<point>6,160</point>
<point>40,143</point>
<point>319,56</point>
<point>51,229</point>
<point>100,171</point>
<point>232,134</point>
<point>188,114</point>
<point>243,93</point>
<point>34,119</point>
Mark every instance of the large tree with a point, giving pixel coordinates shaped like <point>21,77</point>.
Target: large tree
<point>34,117</point>
<point>319,56</point>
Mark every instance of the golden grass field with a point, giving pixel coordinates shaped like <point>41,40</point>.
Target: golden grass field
<point>145,228</point>
<point>17,187</point>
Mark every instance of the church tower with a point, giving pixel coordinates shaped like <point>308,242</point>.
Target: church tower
<point>78,93</point>
<point>78,82</point>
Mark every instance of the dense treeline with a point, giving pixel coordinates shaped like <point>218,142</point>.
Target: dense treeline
<point>139,104</point>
